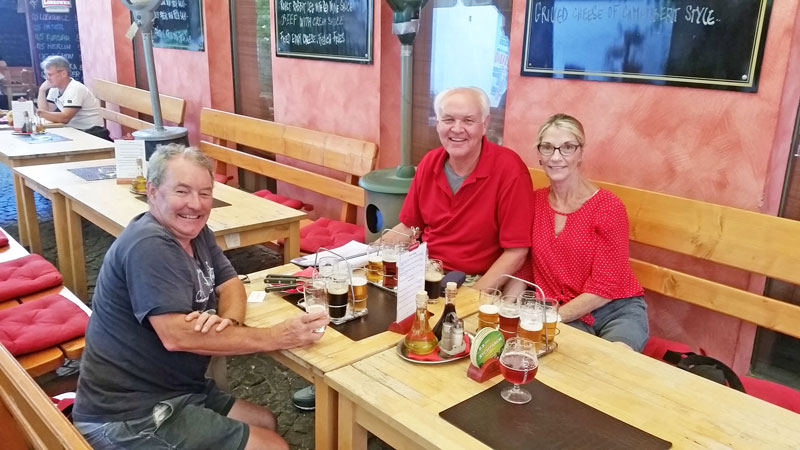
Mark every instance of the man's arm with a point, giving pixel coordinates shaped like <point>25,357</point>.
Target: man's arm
<point>580,306</point>
<point>41,101</point>
<point>509,262</point>
<point>179,335</point>
<point>45,108</point>
<point>394,238</point>
<point>232,300</point>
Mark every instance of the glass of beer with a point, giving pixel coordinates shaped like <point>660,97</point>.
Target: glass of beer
<point>374,263</point>
<point>531,320</point>
<point>488,312</point>
<point>316,298</point>
<point>509,315</point>
<point>357,296</point>
<point>433,279</point>
<point>390,253</point>
<point>518,364</point>
<point>551,319</point>
<point>337,286</point>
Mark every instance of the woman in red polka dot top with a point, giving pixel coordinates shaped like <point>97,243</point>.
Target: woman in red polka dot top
<point>580,244</point>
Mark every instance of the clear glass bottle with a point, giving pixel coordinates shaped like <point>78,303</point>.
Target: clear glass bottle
<point>139,184</point>
<point>26,123</point>
<point>450,292</point>
<point>420,340</point>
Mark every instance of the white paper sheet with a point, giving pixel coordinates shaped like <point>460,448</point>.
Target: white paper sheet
<point>355,252</point>
<point>126,152</point>
<point>19,109</point>
<point>410,280</point>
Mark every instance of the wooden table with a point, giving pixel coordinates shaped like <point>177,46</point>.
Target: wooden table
<point>333,351</point>
<point>246,220</point>
<point>17,153</point>
<point>400,401</point>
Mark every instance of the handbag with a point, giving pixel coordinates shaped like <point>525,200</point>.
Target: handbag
<point>706,367</point>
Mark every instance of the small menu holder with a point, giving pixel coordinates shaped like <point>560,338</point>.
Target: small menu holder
<point>489,369</point>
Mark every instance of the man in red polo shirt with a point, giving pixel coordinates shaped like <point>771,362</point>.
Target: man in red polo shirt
<point>470,197</point>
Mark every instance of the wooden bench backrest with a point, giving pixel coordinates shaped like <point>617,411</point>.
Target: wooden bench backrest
<point>172,108</point>
<point>747,240</point>
<point>353,157</point>
<point>28,418</point>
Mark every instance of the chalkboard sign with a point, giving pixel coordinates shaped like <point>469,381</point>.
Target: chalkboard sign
<point>54,34</point>
<point>339,30</point>
<point>179,24</point>
<point>700,43</point>
<point>14,47</point>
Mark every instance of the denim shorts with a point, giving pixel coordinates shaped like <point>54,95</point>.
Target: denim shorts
<point>191,421</point>
<point>621,320</point>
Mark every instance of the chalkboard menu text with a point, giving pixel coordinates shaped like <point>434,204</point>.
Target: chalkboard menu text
<point>700,43</point>
<point>339,30</point>
<point>54,34</point>
<point>179,24</point>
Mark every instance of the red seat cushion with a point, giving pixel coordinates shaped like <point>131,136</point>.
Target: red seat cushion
<point>285,201</point>
<point>222,178</point>
<point>656,347</point>
<point>328,233</point>
<point>775,393</point>
<point>42,324</point>
<point>27,275</point>
<point>3,238</point>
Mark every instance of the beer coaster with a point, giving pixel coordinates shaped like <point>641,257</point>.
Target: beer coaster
<point>551,420</point>
<point>488,344</point>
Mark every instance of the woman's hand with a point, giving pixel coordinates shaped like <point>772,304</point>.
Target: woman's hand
<point>206,319</point>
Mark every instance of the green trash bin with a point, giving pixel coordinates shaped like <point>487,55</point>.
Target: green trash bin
<point>386,191</point>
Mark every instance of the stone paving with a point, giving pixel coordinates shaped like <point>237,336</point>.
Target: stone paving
<point>256,378</point>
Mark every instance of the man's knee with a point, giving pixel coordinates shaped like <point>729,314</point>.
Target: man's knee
<point>262,438</point>
<point>252,414</point>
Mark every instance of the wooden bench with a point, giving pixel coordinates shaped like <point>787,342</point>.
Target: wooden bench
<point>131,100</point>
<point>352,157</point>
<point>756,243</point>
<point>28,418</point>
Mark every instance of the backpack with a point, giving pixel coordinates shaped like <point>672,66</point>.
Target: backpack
<point>706,367</point>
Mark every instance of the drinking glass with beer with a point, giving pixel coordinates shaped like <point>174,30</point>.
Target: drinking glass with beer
<point>390,253</point>
<point>316,299</point>
<point>518,364</point>
<point>433,279</point>
<point>488,312</point>
<point>551,319</point>
<point>509,315</point>
<point>374,263</point>
<point>357,296</point>
<point>337,286</point>
<point>531,320</point>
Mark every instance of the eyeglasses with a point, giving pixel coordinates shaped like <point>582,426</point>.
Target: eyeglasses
<point>566,148</point>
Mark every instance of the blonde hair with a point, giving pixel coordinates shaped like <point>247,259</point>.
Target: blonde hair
<point>564,122</point>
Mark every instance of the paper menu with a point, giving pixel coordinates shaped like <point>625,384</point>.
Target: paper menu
<point>355,252</point>
<point>18,110</point>
<point>126,152</point>
<point>410,280</point>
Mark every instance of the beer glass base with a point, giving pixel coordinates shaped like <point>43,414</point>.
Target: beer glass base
<point>516,395</point>
<point>361,313</point>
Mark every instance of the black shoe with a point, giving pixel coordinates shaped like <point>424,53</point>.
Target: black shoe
<point>304,398</point>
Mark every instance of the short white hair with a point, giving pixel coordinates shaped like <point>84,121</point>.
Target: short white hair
<point>476,92</point>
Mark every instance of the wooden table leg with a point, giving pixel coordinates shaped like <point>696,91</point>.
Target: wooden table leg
<point>22,224</point>
<point>325,415</point>
<point>61,226</point>
<point>30,222</point>
<point>351,434</point>
<point>291,245</point>
<point>76,260</point>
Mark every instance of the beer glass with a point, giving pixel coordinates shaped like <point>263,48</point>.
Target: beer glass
<point>531,320</point>
<point>357,296</point>
<point>518,364</point>
<point>316,299</point>
<point>337,287</point>
<point>488,312</point>
<point>374,263</point>
<point>433,279</point>
<point>390,253</point>
<point>551,319</point>
<point>509,315</point>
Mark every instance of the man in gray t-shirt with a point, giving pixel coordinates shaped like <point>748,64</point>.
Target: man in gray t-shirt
<point>166,300</point>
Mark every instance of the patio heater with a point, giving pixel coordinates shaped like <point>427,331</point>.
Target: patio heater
<point>387,188</point>
<point>144,16</point>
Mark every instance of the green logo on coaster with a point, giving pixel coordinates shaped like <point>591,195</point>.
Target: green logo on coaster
<point>488,344</point>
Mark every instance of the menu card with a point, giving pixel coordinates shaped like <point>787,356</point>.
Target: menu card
<point>410,280</point>
<point>126,152</point>
<point>18,110</point>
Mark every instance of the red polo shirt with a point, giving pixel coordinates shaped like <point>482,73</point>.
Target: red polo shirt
<point>491,211</point>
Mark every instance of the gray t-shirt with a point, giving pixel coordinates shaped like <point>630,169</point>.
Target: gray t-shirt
<point>125,369</point>
<point>453,179</point>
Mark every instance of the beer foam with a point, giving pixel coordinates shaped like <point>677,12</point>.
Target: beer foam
<point>315,308</point>
<point>551,316</point>
<point>433,276</point>
<point>374,258</point>
<point>389,258</point>
<point>489,309</point>
<point>531,325</point>
<point>337,290</point>
<point>359,281</point>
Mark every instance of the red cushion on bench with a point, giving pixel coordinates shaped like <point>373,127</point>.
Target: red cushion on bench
<point>285,201</point>
<point>222,178</point>
<point>328,233</point>
<point>27,275</point>
<point>3,238</point>
<point>656,347</point>
<point>775,393</point>
<point>38,325</point>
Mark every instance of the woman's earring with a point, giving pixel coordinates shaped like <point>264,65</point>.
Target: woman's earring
<point>540,162</point>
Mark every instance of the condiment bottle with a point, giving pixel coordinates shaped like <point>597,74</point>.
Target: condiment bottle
<point>450,292</point>
<point>139,183</point>
<point>420,340</point>
<point>26,123</point>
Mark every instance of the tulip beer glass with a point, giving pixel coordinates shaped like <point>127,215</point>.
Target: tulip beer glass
<point>518,364</point>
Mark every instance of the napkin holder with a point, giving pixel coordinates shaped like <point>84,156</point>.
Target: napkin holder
<point>489,369</point>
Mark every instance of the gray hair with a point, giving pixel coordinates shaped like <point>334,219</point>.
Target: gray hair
<point>57,61</point>
<point>476,92</point>
<point>166,153</point>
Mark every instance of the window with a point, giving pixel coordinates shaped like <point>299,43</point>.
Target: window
<point>252,58</point>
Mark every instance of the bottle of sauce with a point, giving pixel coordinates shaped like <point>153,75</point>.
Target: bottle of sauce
<point>450,292</point>
<point>420,340</point>
<point>26,123</point>
<point>139,184</point>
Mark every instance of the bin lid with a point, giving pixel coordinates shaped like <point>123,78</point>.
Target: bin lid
<point>386,181</point>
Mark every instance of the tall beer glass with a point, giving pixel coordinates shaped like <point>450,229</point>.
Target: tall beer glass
<point>337,287</point>
<point>374,263</point>
<point>433,279</point>
<point>551,319</point>
<point>390,253</point>
<point>316,299</point>
<point>531,320</point>
<point>357,296</point>
<point>509,315</point>
<point>488,312</point>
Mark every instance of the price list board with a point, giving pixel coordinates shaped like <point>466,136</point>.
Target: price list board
<point>338,30</point>
<point>54,34</point>
<point>179,24</point>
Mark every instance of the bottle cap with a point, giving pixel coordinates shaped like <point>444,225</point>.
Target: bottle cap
<point>422,298</point>
<point>451,285</point>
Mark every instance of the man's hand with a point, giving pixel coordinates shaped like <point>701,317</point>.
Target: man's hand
<point>300,331</point>
<point>46,86</point>
<point>204,321</point>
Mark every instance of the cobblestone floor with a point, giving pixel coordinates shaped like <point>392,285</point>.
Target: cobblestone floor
<point>256,378</point>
